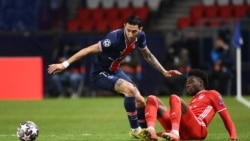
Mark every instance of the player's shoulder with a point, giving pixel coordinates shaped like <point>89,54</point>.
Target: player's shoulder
<point>117,32</point>
<point>212,91</point>
<point>142,33</point>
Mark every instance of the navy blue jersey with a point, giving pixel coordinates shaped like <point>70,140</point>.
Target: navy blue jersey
<point>114,49</point>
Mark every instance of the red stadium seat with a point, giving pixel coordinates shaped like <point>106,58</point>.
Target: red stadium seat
<point>115,24</point>
<point>184,22</point>
<point>101,26</point>
<point>196,21</point>
<point>73,25</point>
<point>211,11</point>
<point>239,11</point>
<point>112,13</point>
<point>197,11</point>
<point>97,14</point>
<point>87,26</point>
<point>125,12</point>
<point>142,12</point>
<point>83,14</point>
<point>226,11</point>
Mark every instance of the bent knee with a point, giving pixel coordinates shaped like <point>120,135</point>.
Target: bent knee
<point>130,90</point>
<point>174,96</point>
<point>152,99</point>
<point>125,88</point>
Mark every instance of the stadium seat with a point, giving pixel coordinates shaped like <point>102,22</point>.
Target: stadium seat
<point>73,25</point>
<point>184,22</point>
<point>138,3</point>
<point>125,12</point>
<point>83,14</point>
<point>197,11</point>
<point>142,12</point>
<point>115,24</point>
<point>153,4</point>
<point>112,13</point>
<point>101,26</point>
<point>223,2</point>
<point>239,11</point>
<point>211,11</point>
<point>226,11</point>
<point>123,3</point>
<point>87,26</point>
<point>108,3</point>
<point>97,14</point>
<point>208,2</point>
<point>92,4</point>
<point>196,21</point>
<point>237,2</point>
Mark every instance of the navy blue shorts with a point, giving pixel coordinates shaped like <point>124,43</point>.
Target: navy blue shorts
<point>106,81</point>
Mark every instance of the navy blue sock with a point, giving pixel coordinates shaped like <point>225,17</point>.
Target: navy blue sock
<point>129,104</point>
<point>141,117</point>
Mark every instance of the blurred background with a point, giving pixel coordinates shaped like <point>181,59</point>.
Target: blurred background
<point>182,34</point>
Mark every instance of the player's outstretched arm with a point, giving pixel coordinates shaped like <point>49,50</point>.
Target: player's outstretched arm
<point>229,125</point>
<point>55,68</point>
<point>152,60</point>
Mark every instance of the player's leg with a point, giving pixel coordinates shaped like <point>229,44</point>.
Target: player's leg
<point>118,83</point>
<point>140,106</point>
<point>177,108</point>
<point>191,128</point>
<point>155,109</point>
<point>129,91</point>
<point>139,99</point>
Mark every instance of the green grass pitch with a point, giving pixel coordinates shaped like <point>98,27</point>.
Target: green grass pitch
<point>96,119</point>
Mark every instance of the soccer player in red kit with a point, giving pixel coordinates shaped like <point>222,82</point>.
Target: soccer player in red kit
<point>188,121</point>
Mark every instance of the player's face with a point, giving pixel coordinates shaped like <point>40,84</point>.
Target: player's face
<point>131,31</point>
<point>193,85</point>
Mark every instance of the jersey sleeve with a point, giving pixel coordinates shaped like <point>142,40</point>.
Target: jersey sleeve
<point>108,42</point>
<point>218,102</point>
<point>142,43</point>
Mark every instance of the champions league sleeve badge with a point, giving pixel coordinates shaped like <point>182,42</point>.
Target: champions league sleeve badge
<point>106,43</point>
<point>221,102</point>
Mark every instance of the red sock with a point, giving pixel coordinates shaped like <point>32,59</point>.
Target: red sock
<point>151,110</point>
<point>175,111</point>
<point>165,121</point>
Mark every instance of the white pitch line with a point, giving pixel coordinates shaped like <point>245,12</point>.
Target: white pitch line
<point>86,134</point>
<point>243,101</point>
<point>5,135</point>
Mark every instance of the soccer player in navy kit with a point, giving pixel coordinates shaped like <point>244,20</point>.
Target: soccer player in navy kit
<point>105,71</point>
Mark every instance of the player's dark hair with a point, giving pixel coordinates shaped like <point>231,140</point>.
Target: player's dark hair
<point>134,20</point>
<point>200,74</point>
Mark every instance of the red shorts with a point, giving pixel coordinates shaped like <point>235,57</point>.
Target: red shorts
<point>192,128</point>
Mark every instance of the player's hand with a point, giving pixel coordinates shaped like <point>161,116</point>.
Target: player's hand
<point>55,68</point>
<point>171,73</point>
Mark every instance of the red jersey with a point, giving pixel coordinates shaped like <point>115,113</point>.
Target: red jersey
<point>205,104</point>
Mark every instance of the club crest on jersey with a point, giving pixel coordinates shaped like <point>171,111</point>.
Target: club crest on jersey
<point>221,100</point>
<point>106,43</point>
